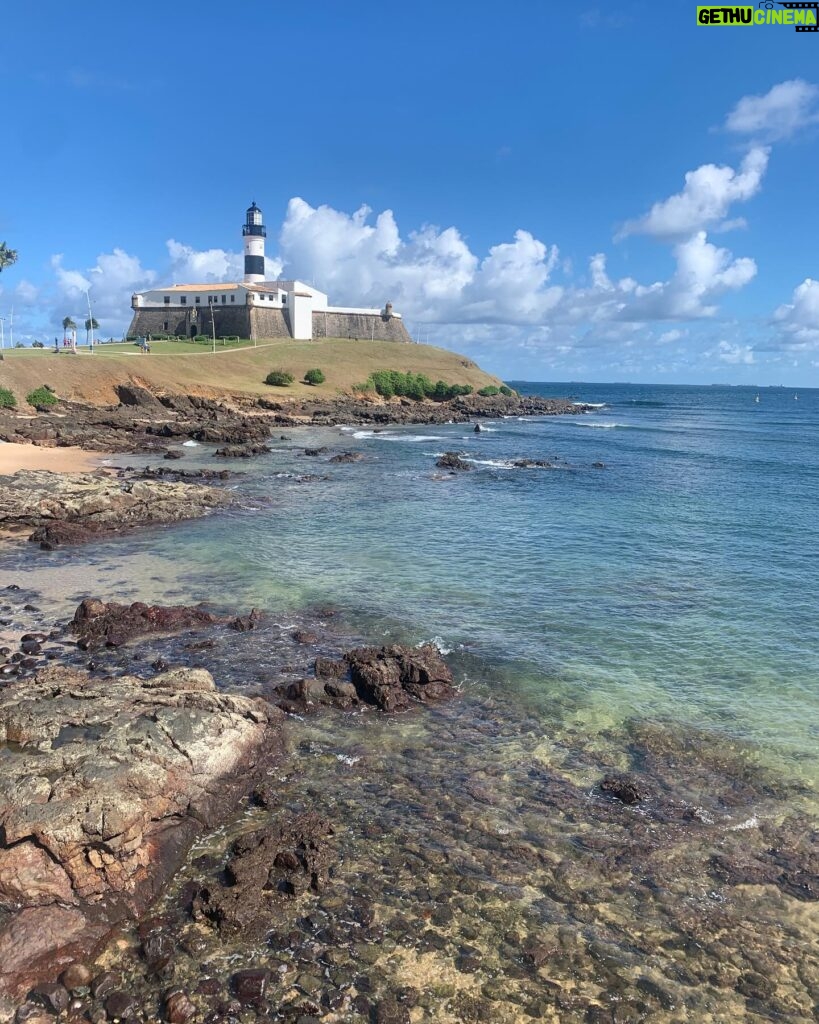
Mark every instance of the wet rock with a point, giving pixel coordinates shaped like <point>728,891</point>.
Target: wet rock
<point>391,678</point>
<point>453,462</point>
<point>276,862</point>
<point>245,451</point>
<point>313,452</point>
<point>625,788</point>
<point>304,636</point>
<point>120,1005</point>
<point>532,464</point>
<point>244,623</point>
<point>346,457</point>
<point>179,1007</point>
<point>250,986</point>
<point>76,977</point>
<point>53,997</point>
<point>173,453</point>
<point>97,623</point>
<point>32,1012</point>
<point>328,668</point>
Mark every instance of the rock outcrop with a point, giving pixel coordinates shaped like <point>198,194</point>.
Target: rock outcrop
<point>92,503</point>
<point>105,783</point>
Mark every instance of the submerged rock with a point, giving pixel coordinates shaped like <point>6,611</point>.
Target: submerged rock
<point>625,788</point>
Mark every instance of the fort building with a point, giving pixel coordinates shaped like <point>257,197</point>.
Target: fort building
<point>257,309</point>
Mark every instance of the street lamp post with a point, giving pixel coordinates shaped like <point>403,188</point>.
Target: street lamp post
<point>90,322</point>
<point>2,333</point>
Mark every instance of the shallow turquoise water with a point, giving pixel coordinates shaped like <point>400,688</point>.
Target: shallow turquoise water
<point>677,582</point>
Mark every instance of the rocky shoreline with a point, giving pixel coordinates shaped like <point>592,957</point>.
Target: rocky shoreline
<point>145,422</point>
<point>108,779</point>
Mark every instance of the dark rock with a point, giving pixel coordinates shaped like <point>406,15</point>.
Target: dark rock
<point>328,668</point>
<point>97,623</point>
<point>104,984</point>
<point>392,677</point>
<point>532,464</point>
<point>624,788</point>
<point>120,1005</point>
<point>453,462</point>
<point>250,985</point>
<point>54,997</point>
<point>242,451</point>
<point>304,636</point>
<point>244,623</point>
<point>172,453</point>
<point>345,457</point>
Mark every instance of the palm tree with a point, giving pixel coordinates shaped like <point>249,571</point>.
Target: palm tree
<point>69,325</point>
<point>90,325</point>
<point>7,256</point>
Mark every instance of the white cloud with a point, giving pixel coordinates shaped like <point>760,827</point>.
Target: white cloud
<point>669,337</point>
<point>781,112</point>
<point>704,200</point>
<point>189,265</point>
<point>798,320</point>
<point>733,354</point>
<point>109,283</point>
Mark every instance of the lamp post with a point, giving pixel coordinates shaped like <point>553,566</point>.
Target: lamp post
<point>2,333</point>
<point>213,324</point>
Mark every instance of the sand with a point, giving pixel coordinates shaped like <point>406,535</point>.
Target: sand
<point>60,460</point>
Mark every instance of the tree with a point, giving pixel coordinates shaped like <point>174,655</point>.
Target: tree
<point>7,256</point>
<point>90,325</point>
<point>314,377</point>
<point>69,325</point>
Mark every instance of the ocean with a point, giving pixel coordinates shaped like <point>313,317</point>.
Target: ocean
<point>647,604</point>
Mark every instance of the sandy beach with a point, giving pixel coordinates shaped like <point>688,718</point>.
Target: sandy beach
<point>14,457</point>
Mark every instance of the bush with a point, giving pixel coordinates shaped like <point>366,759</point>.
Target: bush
<point>7,399</point>
<point>506,391</point>
<point>417,386</point>
<point>314,377</point>
<point>37,344</point>
<point>279,378</point>
<point>41,398</point>
<point>489,391</point>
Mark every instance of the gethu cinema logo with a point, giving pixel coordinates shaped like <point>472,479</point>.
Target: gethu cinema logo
<point>804,17</point>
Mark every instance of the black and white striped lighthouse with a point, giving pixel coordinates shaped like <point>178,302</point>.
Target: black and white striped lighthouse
<point>254,233</point>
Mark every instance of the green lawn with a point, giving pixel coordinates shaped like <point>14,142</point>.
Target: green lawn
<point>175,347</point>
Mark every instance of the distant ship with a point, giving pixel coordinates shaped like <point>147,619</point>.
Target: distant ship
<point>756,398</point>
<point>796,398</point>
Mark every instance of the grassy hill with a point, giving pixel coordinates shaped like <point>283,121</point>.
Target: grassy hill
<point>184,368</point>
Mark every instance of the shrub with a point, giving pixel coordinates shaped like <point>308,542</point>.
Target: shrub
<point>279,378</point>
<point>37,344</point>
<point>363,389</point>
<point>41,398</point>
<point>314,377</point>
<point>7,399</point>
<point>417,386</point>
<point>489,391</point>
<point>506,390</point>
<point>202,339</point>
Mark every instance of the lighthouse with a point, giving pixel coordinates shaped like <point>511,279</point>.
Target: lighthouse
<point>254,233</point>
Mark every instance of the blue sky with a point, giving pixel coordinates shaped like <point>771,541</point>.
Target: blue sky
<point>512,176</point>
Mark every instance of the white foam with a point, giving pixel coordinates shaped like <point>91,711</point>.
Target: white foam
<point>363,433</point>
<point>599,426</point>
<point>591,405</point>
<point>190,444</point>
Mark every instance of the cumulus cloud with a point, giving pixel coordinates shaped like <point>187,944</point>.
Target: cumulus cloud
<point>704,201</point>
<point>733,354</point>
<point>189,265</point>
<point>798,320</point>
<point>779,114</point>
<point>109,283</point>
<point>431,275</point>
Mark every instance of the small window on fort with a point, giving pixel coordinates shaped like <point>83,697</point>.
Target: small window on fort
<point>284,298</point>
<point>210,299</point>
<point>167,300</point>
<point>233,298</point>
<point>164,325</point>
<point>197,299</point>
<point>224,298</point>
<point>184,300</point>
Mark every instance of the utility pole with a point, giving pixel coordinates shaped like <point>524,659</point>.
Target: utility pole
<point>213,324</point>
<point>91,321</point>
<point>11,328</point>
<point>2,333</point>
